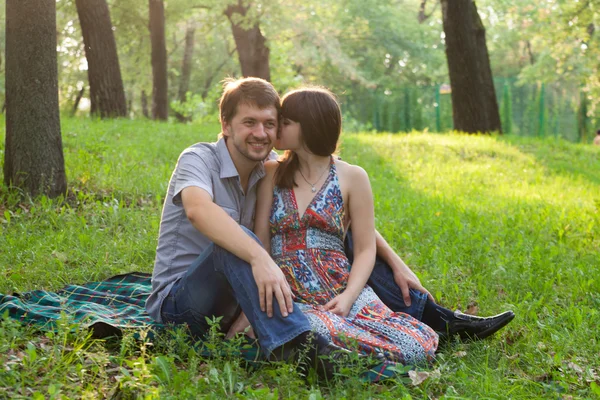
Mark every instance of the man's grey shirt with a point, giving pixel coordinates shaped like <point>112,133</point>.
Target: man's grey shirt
<point>210,167</point>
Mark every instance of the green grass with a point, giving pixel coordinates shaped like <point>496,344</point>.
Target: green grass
<point>495,222</point>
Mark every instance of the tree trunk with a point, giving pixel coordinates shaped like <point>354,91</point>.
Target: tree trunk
<point>144,98</point>
<point>186,67</point>
<point>208,81</point>
<point>33,157</point>
<point>160,105</point>
<point>106,85</point>
<point>489,93</point>
<point>250,43</point>
<point>77,100</point>
<point>130,103</point>
<point>474,105</point>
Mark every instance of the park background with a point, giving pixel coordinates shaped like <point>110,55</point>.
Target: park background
<point>110,92</point>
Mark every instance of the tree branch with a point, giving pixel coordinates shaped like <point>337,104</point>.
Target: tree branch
<point>422,17</point>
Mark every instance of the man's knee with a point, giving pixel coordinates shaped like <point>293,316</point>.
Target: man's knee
<point>252,235</point>
<point>221,252</point>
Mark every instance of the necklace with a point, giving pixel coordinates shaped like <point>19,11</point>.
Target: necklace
<point>312,185</point>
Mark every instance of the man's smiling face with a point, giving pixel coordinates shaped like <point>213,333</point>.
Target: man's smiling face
<point>251,132</point>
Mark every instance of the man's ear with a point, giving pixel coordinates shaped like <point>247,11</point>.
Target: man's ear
<point>225,128</point>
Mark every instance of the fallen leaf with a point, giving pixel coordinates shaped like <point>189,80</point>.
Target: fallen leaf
<point>460,354</point>
<point>418,377</point>
<point>541,346</point>
<point>575,367</point>
<point>472,309</point>
<point>62,257</point>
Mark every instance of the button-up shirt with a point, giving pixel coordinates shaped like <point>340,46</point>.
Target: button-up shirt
<point>208,166</point>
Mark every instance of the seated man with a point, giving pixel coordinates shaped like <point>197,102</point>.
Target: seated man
<point>208,262</point>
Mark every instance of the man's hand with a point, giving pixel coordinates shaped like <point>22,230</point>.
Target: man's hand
<point>271,282</point>
<point>406,280</point>
<point>340,304</point>
<point>240,325</point>
<point>403,276</point>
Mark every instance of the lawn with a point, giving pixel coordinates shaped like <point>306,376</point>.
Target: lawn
<point>488,223</point>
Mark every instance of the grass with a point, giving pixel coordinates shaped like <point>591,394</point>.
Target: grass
<point>487,222</point>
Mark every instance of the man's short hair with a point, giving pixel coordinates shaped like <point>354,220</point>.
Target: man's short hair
<point>250,91</point>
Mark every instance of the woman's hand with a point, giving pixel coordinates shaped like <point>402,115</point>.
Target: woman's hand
<point>340,304</point>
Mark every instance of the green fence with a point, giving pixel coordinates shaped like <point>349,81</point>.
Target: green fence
<point>557,110</point>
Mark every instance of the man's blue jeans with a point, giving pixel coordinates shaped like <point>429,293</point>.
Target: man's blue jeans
<point>382,282</point>
<point>218,284</point>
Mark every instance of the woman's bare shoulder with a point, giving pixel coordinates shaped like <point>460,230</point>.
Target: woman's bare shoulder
<point>271,166</point>
<point>350,171</point>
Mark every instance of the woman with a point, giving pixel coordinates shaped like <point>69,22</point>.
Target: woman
<point>304,208</point>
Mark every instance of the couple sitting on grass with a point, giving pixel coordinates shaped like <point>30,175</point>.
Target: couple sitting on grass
<point>265,242</point>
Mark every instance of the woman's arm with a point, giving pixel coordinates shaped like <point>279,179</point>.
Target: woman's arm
<point>362,215</point>
<point>264,201</point>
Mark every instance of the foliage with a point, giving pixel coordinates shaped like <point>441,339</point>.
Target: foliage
<point>382,62</point>
<point>496,222</point>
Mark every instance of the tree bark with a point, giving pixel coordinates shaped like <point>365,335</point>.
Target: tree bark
<point>104,75</point>
<point>77,100</point>
<point>489,93</point>
<point>209,79</point>
<point>422,16</point>
<point>186,67</point>
<point>33,157</point>
<point>474,105</point>
<point>251,45</point>
<point>160,105</point>
<point>144,98</point>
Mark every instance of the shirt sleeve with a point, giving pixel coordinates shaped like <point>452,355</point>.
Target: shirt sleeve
<point>191,170</point>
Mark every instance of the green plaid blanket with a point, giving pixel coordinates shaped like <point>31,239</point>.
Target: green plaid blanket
<point>108,307</point>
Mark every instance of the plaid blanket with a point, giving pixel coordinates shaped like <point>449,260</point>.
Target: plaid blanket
<point>105,307</point>
<point>108,307</point>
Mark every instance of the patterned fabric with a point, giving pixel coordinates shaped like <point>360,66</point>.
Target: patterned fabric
<point>109,306</point>
<point>310,251</point>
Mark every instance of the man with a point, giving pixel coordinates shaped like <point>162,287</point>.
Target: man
<point>209,263</point>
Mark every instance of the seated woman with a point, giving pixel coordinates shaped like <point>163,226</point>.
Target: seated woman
<point>304,209</point>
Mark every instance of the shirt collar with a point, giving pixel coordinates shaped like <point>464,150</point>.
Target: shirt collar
<point>228,169</point>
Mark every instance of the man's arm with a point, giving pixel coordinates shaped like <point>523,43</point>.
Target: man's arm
<point>404,277</point>
<point>221,229</point>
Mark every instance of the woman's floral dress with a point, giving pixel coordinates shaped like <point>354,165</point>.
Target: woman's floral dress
<point>310,251</point>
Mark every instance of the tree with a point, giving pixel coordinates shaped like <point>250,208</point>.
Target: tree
<point>104,75</point>
<point>186,66</point>
<point>33,152</point>
<point>249,41</point>
<point>474,104</point>
<point>160,104</point>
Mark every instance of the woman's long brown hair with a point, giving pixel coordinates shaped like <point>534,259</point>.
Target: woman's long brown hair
<point>318,113</point>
